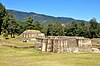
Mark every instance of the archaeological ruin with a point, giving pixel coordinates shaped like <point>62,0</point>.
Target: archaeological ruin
<point>57,44</point>
<point>63,44</point>
<point>30,35</point>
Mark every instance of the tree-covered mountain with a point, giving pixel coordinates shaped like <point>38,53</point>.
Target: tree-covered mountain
<point>20,16</point>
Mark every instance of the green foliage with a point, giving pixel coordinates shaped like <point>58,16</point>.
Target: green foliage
<point>12,27</point>
<point>57,29</point>
<point>3,13</point>
<point>37,26</point>
<point>20,27</point>
<point>9,26</point>
<point>94,28</point>
<point>7,23</point>
<point>73,29</point>
<point>53,29</point>
<point>29,23</point>
<point>5,27</point>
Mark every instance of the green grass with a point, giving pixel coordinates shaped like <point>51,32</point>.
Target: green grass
<point>31,57</point>
<point>17,42</point>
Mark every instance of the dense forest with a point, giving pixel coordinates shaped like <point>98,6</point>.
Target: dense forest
<point>10,26</point>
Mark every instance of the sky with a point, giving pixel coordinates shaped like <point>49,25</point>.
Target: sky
<point>77,9</point>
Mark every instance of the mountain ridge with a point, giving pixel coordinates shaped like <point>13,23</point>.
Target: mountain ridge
<point>21,16</point>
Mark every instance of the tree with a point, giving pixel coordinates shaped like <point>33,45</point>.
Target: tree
<point>9,26</point>
<point>57,29</point>
<point>53,29</point>
<point>12,27</point>
<point>72,31</point>
<point>66,29</point>
<point>50,29</point>
<point>20,28</point>
<point>94,29</point>
<point>3,13</point>
<point>37,26</point>
<point>5,29</point>
<point>29,23</point>
<point>99,30</point>
<point>47,29</point>
<point>81,31</point>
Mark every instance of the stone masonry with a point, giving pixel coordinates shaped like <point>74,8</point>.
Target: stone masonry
<point>30,35</point>
<point>63,44</point>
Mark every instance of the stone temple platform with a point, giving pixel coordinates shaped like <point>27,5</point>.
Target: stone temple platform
<point>63,44</point>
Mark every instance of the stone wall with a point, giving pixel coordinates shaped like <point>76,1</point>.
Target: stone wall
<point>63,44</point>
<point>30,35</point>
<point>85,45</point>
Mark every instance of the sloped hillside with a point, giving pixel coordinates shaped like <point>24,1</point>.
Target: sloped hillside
<point>19,15</point>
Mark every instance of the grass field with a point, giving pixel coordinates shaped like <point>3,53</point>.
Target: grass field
<point>30,57</point>
<point>16,41</point>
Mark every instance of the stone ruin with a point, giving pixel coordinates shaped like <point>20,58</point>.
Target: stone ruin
<point>30,35</point>
<point>63,44</point>
<point>58,43</point>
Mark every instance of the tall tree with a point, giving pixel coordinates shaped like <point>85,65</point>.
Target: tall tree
<point>5,29</point>
<point>9,25</point>
<point>3,13</point>
<point>12,27</point>
<point>94,29</point>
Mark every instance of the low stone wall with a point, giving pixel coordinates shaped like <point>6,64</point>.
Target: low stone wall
<point>63,44</point>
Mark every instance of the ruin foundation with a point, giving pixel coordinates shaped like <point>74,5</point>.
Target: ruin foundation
<point>63,44</point>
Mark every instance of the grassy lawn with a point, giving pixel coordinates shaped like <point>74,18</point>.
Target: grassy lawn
<point>16,41</point>
<point>31,57</point>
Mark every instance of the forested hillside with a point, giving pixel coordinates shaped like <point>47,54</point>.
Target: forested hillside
<point>21,16</point>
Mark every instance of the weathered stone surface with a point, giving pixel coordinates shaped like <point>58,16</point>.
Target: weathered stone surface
<point>95,50</point>
<point>64,44</point>
<point>31,35</point>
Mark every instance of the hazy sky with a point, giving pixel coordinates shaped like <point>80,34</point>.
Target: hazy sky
<point>78,9</point>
